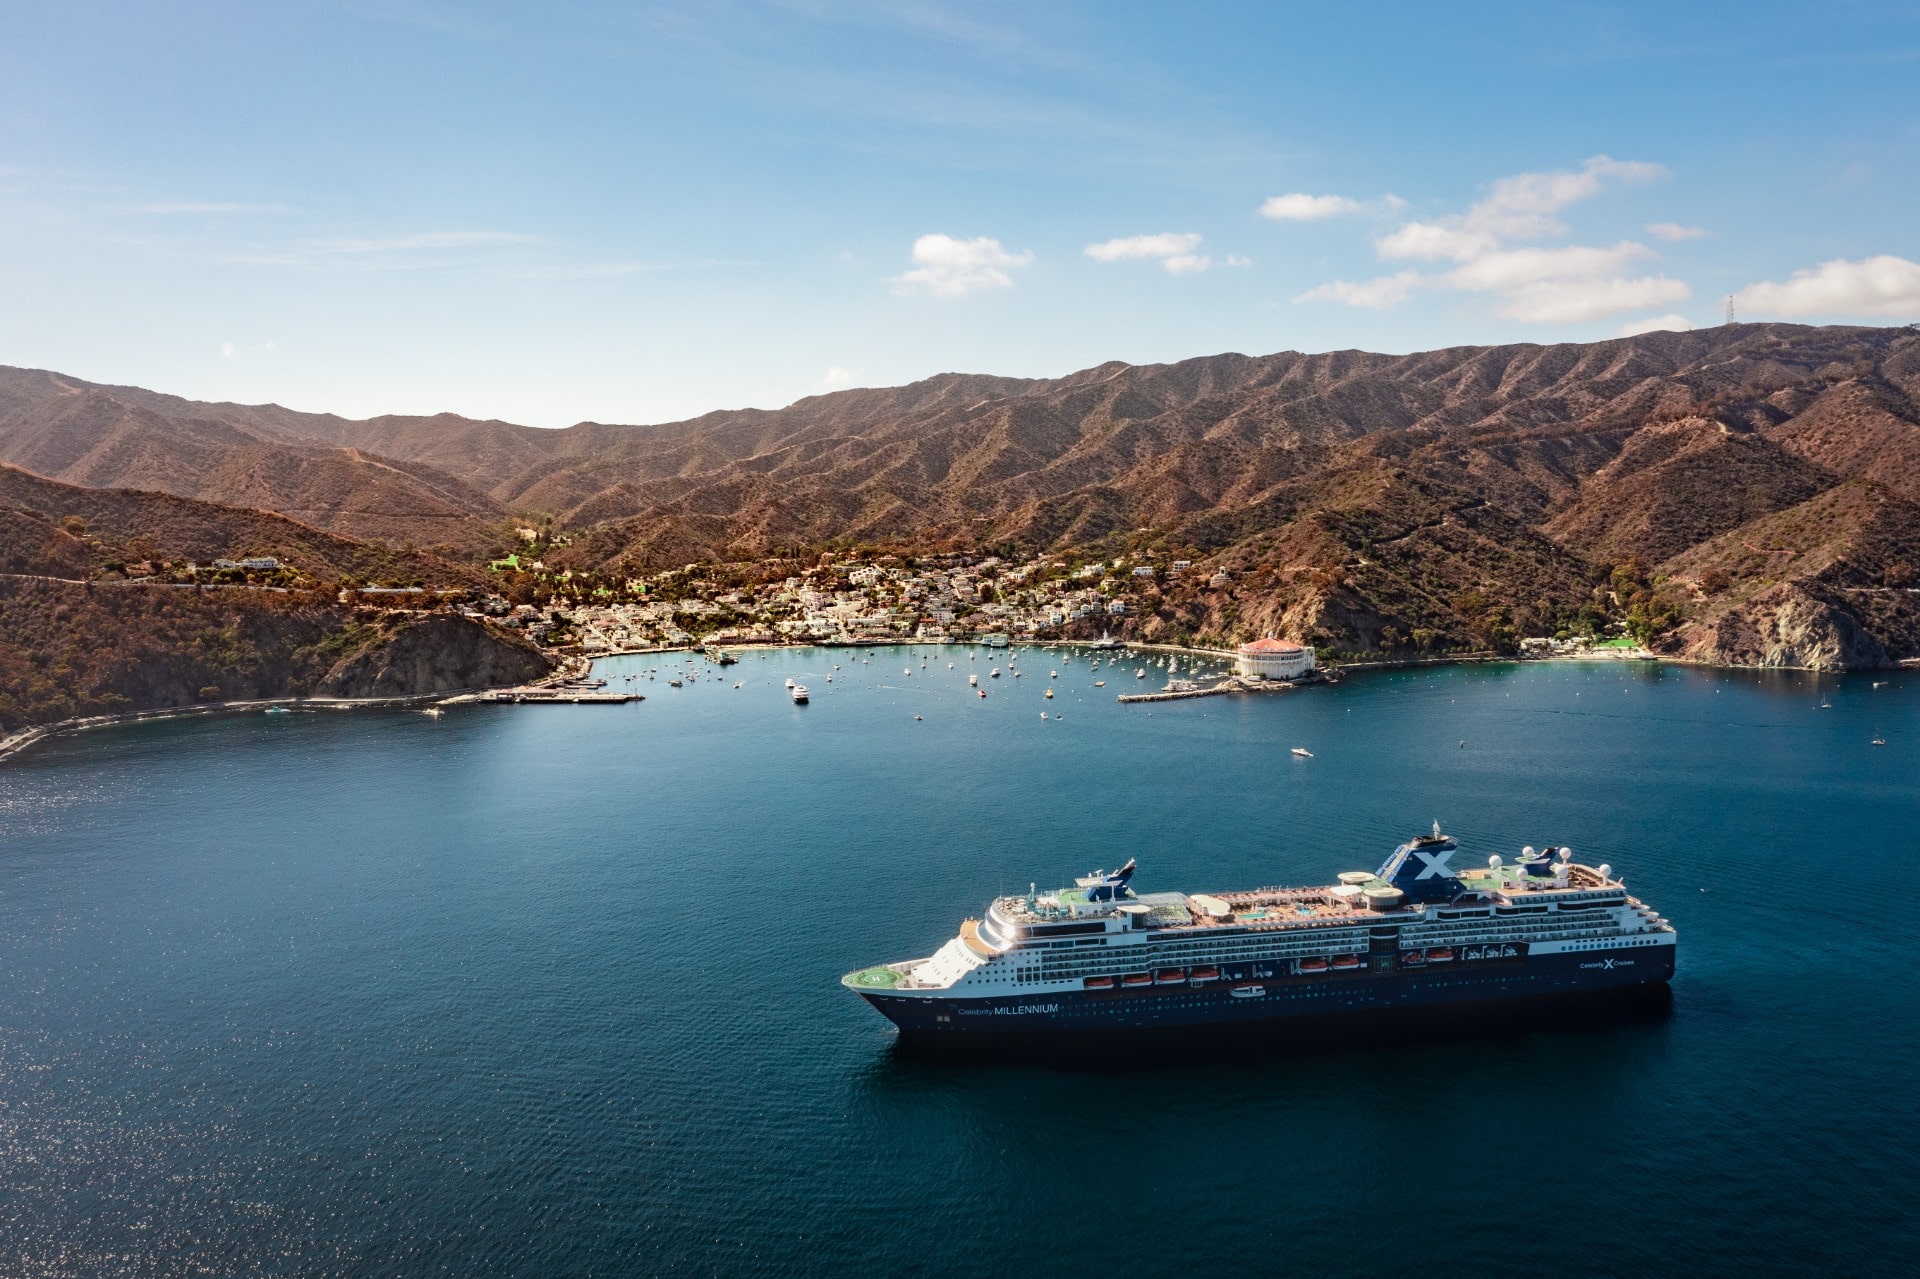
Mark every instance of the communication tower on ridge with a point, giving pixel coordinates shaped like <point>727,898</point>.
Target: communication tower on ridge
<point>1729,308</point>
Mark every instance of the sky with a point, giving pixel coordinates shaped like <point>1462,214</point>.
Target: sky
<point>639,212</point>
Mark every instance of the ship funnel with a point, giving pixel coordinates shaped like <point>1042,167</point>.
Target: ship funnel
<point>1422,869</point>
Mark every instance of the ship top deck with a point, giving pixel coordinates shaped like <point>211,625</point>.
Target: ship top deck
<point>1269,908</point>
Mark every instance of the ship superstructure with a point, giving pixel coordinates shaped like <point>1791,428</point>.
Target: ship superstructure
<point>1422,929</point>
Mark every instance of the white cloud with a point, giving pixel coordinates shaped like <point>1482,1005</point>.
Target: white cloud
<point>1575,301</point>
<point>1165,245</point>
<point>1668,323</point>
<point>1299,207</point>
<point>1563,285</point>
<point>234,351</point>
<point>1521,207</point>
<point>1876,286</point>
<point>1308,208</point>
<point>1674,231</point>
<point>1517,268</point>
<point>950,268</point>
<point>1173,249</point>
<point>836,377</point>
<point>1234,259</point>
<point>1378,295</point>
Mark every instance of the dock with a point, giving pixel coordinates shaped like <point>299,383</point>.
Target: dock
<point>1179,694</point>
<point>1180,689</point>
<point>573,695</point>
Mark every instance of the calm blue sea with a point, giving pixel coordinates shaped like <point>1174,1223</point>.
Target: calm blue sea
<point>553,990</point>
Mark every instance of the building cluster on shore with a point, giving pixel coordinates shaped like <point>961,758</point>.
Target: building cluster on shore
<point>891,599</point>
<point>858,601</point>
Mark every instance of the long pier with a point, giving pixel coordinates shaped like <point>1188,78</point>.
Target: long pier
<point>1231,684</point>
<point>557,695</point>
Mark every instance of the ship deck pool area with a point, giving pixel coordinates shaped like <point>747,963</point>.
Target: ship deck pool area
<point>576,990</point>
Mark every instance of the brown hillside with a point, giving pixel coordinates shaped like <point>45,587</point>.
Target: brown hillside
<point>68,649</point>
<point>1368,501</point>
<point>106,437</point>
<point>118,525</point>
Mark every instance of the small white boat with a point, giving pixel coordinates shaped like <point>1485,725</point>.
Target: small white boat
<point>1099,683</point>
<point>995,672</point>
<point>1049,693</point>
<point>800,694</point>
<point>1053,674</point>
<point>789,683</point>
<point>673,683</point>
<point>1140,674</point>
<point>1249,992</point>
<point>1043,714</point>
<point>1303,752</point>
<point>973,681</point>
<point>1879,741</point>
<point>433,712</point>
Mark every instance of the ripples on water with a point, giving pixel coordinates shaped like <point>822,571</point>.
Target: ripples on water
<point>544,990</point>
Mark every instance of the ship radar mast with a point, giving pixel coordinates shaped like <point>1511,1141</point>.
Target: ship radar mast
<point>1105,886</point>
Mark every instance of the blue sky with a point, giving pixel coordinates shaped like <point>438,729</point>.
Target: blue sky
<point>638,212</point>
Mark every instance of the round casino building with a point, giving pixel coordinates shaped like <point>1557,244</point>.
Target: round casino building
<point>1273,659</point>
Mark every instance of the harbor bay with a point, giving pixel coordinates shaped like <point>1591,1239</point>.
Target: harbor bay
<point>538,989</point>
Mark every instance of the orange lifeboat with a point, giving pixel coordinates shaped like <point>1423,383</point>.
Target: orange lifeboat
<point>1098,983</point>
<point>1316,964</point>
<point>1443,955</point>
<point>1344,962</point>
<point>1137,979</point>
<point>1205,974</point>
<point>1413,958</point>
<point>1169,976</point>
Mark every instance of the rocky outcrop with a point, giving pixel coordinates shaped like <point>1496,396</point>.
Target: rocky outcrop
<point>436,654</point>
<point>1793,625</point>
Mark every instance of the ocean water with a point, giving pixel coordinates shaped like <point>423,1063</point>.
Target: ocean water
<point>554,990</point>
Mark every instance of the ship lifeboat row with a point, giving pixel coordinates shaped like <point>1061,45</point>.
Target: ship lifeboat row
<point>1207,975</point>
<point>1446,955</point>
<point>1158,977</point>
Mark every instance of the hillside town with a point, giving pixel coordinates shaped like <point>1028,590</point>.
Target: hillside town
<point>889,598</point>
<point>855,601</point>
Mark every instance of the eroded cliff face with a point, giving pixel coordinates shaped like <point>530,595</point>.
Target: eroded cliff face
<point>436,654</point>
<point>1789,625</point>
<point>70,649</point>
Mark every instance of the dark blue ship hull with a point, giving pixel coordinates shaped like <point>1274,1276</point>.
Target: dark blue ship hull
<point>1316,995</point>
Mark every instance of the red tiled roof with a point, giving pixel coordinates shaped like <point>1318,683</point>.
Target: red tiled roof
<point>1270,646</point>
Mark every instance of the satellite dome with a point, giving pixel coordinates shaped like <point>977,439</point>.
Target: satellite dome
<point>1494,861</point>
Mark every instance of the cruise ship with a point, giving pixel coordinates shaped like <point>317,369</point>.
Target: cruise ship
<point>1422,930</point>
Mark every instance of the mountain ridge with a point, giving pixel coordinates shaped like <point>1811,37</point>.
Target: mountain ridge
<point>1534,472</point>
